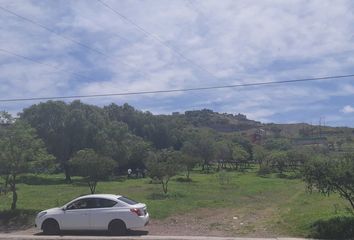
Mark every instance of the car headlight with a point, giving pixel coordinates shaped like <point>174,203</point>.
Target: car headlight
<point>41,214</point>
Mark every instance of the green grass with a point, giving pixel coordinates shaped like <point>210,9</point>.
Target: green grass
<point>294,211</point>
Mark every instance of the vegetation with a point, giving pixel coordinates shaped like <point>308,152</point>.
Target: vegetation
<point>284,204</point>
<point>20,152</point>
<point>162,166</point>
<point>332,175</point>
<point>85,144</point>
<point>93,167</point>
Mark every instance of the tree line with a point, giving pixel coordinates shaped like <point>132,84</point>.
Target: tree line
<point>96,143</point>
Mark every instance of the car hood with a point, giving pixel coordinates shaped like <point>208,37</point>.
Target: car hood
<point>53,210</point>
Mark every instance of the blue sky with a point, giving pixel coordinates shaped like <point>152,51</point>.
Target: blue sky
<point>232,41</point>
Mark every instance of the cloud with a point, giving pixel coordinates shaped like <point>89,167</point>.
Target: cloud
<point>347,109</point>
<point>205,43</point>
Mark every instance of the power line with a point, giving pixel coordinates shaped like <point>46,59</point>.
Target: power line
<point>180,90</point>
<point>156,38</point>
<point>64,37</point>
<point>40,63</point>
<point>52,31</point>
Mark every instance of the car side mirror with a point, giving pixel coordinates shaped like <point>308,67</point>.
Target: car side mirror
<point>63,208</point>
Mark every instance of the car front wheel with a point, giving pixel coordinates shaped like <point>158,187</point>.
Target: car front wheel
<point>51,227</point>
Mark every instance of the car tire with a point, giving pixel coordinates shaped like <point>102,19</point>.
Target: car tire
<point>50,227</point>
<point>117,228</point>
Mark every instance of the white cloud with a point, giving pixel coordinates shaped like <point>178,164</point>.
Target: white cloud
<point>237,41</point>
<point>348,109</point>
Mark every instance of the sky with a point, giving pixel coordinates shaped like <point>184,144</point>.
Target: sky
<point>173,44</point>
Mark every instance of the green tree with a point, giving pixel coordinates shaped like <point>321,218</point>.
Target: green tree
<point>110,141</point>
<point>161,130</point>
<point>163,165</point>
<point>260,154</point>
<point>138,151</point>
<point>331,176</point>
<point>280,144</point>
<point>21,151</point>
<point>116,141</point>
<point>49,120</point>
<point>187,159</point>
<point>278,160</point>
<point>240,156</point>
<point>223,153</point>
<point>244,143</point>
<point>93,167</point>
<point>202,145</point>
<point>298,157</point>
<point>65,128</point>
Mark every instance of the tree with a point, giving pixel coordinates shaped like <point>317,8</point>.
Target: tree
<point>188,158</point>
<point>280,144</point>
<point>244,143</point>
<point>21,151</point>
<point>110,141</point>
<point>161,130</point>
<point>93,167</point>
<point>239,155</point>
<point>278,160</point>
<point>163,165</point>
<point>49,120</point>
<point>259,154</point>
<point>298,157</point>
<point>202,145</point>
<point>116,141</point>
<point>138,150</point>
<point>331,176</point>
<point>223,153</point>
<point>65,128</point>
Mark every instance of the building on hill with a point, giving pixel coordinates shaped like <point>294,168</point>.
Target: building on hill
<point>258,136</point>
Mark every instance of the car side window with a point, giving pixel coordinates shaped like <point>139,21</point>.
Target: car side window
<point>106,203</point>
<point>83,204</point>
<point>79,204</point>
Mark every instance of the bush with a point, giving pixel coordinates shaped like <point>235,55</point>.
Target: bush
<point>264,170</point>
<point>335,228</point>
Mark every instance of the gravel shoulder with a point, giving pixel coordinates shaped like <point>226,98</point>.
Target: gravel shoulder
<point>202,222</point>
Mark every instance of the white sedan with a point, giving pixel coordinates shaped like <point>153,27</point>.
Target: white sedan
<point>110,212</point>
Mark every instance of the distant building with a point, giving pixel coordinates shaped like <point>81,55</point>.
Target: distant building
<point>258,136</point>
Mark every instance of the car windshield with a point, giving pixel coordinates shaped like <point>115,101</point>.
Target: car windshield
<point>127,200</point>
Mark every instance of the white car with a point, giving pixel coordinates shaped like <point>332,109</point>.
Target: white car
<point>110,212</point>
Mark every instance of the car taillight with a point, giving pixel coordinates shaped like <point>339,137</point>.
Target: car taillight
<point>137,211</point>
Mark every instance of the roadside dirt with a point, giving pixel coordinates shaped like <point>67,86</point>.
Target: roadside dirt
<point>216,222</point>
<point>204,222</point>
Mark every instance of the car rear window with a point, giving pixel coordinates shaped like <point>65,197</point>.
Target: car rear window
<point>127,200</point>
<point>106,203</point>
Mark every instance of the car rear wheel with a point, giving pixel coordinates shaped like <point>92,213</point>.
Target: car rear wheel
<point>117,227</point>
<point>51,227</point>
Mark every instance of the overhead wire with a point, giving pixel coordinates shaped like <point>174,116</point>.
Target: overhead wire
<point>156,38</point>
<point>51,30</point>
<point>40,63</point>
<point>67,38</point>
<point>181,90</point>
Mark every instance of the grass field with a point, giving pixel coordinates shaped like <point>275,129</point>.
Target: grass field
<point>284,204</point>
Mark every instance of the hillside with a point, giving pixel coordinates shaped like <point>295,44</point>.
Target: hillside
<point>227,122</point>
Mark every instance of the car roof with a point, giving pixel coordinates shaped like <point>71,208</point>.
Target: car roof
<point>106,196</point>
